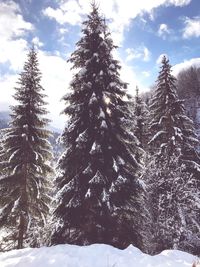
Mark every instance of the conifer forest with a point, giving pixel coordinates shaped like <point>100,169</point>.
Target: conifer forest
<point>125,168</point>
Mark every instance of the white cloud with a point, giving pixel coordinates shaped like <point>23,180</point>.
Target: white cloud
<point>192,27</point>
<point>180,2</point>
<point>13,29</point>
<point>186,64</point>
<point>13,46</point>
<point>128,75</point>
<point>55,81</point>
<point>7,84</point>
<point>68,12</point>
<point>132,54</point>
<point>36,41</point>
<point>12,23</point>
<point>141,52</point>
<point>147,54</point>
<point>146,73</point>
<point>163,30</point>
<point>63,30</point>
<point>13,52</point>
<point>119,12</point>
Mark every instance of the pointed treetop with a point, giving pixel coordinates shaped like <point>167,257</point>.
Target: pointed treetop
<point>165,59</point>
<point>32,47</point>
<point>94,5</point>
<point>137,91</point>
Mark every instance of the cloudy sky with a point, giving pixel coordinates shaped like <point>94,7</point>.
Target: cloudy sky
<point>144,30</point>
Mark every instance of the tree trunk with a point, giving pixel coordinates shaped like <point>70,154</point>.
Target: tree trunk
<point>21,232</point>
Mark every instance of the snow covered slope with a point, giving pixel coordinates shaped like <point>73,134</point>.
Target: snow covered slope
<point>92,256</point>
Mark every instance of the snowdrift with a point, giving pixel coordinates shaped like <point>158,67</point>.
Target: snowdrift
<point>92,256</point>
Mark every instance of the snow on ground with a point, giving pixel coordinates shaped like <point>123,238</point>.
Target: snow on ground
<point>92,256</point>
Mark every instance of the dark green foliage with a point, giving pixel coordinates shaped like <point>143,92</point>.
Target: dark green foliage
<point>188,89</point>
<point>174,169</point>
<point>141,115</point>
<point>26,155</point>
<point>99,197</point>
<point>172,129</point>
<point>188,83</point>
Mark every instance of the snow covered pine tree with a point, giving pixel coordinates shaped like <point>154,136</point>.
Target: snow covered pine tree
<point>23,186</point>
<point>99,197</point>
<point>176,170</point>
<point>141,115</point>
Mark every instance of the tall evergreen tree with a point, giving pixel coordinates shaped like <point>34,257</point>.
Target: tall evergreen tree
<point>175,175</point>
<point>99,195</point>
<point>26,155</point>
<point>141,115</point>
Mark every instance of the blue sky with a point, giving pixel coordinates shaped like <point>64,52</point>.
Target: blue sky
<point>144,30</point>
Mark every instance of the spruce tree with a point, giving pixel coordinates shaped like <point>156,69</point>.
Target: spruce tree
<point>175,170</point>
<point>99,195</point>
<point>26,156</point>
<point>141,115</point>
